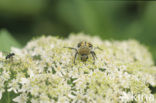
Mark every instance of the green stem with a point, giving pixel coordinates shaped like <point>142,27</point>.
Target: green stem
<point>8,97</point>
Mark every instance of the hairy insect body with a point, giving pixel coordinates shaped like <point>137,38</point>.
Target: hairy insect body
<point>84,49</point>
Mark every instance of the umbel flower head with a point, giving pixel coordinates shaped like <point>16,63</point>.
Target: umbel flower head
<point>44,72</point>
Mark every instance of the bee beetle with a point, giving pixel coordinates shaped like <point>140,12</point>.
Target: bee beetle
<point>84,49</point>
<point>10,55</point>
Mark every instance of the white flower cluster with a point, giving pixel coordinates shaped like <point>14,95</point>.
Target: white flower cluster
<point>44,72</point>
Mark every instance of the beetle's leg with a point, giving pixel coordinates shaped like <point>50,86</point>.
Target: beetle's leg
<point>93,55</point>
<point>75,57</point>
<point>71,48</point>
<point>98,48</point>
<point>75,53</point>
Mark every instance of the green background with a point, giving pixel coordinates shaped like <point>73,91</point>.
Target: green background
<point>21,20</point>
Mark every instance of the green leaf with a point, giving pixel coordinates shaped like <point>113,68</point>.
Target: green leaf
<point>7,41</point>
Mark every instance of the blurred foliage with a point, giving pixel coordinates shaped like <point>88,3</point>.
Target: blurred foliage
<point>15,8</point>
<point>111,19</point>
<point>6,41</point>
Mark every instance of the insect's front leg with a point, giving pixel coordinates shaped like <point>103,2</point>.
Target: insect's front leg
<point>75,57</point>
<point>98,48</point>
<point>71,48</point>
<point>93,55</point>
